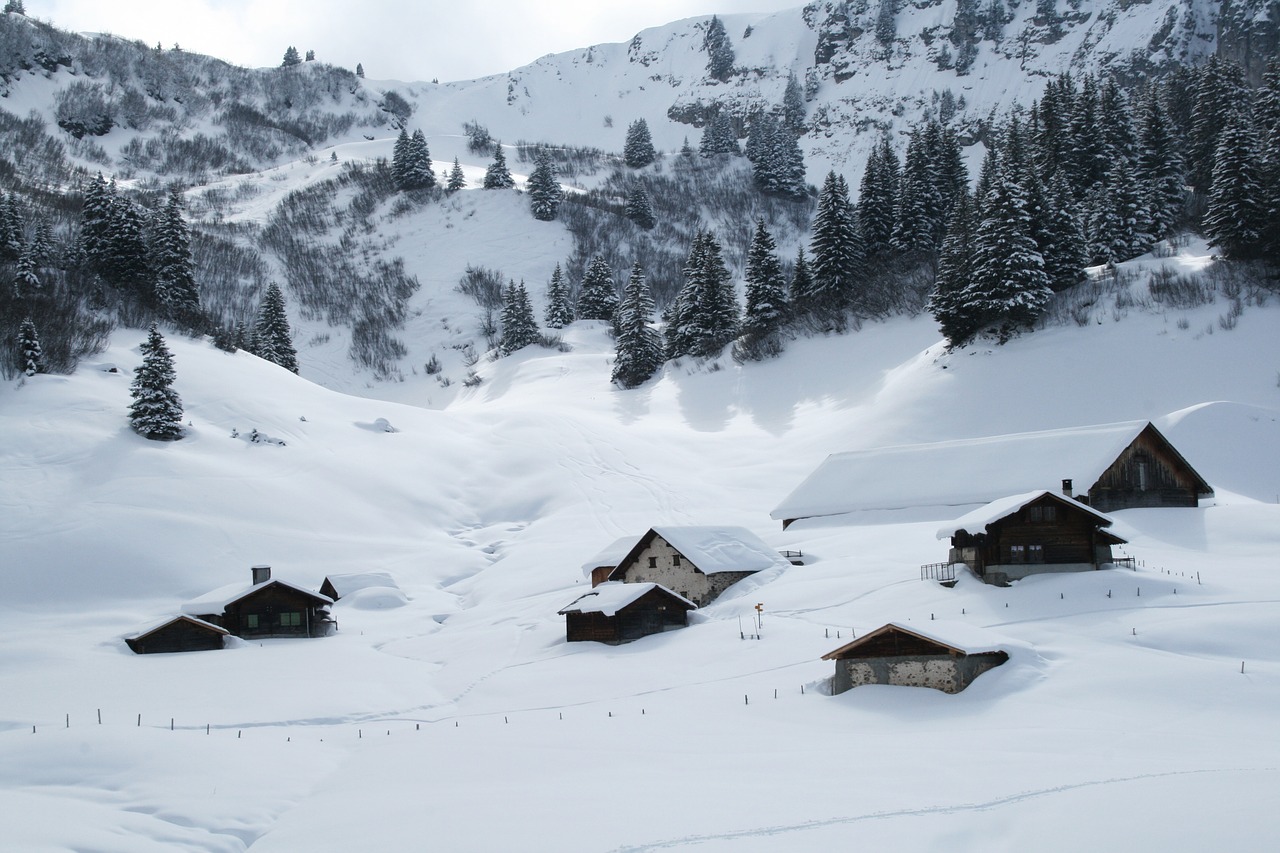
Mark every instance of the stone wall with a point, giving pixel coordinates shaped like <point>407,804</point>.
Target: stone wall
<point>947,673</point>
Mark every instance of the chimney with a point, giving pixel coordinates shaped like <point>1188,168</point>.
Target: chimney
<point>261,574</point>
<point>1066,487</point>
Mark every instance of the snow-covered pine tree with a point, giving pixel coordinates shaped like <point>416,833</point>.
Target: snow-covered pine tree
<point>793,109</point>
<point>1268,114</point>
<point>156,410</point>
<point>26,283</point>
<point>679,331</point>
<point>175,281</point>
<point>1061,238</point>
<point>360,70</point>
<point>706,316</point>
<point>545,193</point>
<point>559,312</point>
<point>766,310</point>
<point>639,208</point>
<point>419,174</point>
<point>498,176</point>
<point>519,329</point>
<point>30,355</point>
<point>837,253</point>
<point>11,242</point>
<point>1234,218</point>
<point>639,347</point>
<point>638,150</point>
<point>801,295</point>
<point>719,51</point>
<point>1219,96</point>
<point>456,179</point>
<point>95,224</point>
<point>878,199</point>
<point>719,137</point>
<point>291,57</point>
<point>597,296</point>
<point>127,260</point>
<point>955,318</point>
<point>1087,162</point>
<point>400,160</point>
<point>919,203</point>
<point>273,340</point>
<point>14,7</point>
<point>1159,166</point>
<point>1008,288</point>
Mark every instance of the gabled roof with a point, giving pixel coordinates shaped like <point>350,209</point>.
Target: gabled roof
<point>156,626</point>
<point>715,549</point>
<point>957,637</point>
<point>964,472</point>
<point>610,556</point>
<point>345,584</point>
<point>610,597</point>
<point>977,521</point>
<point>221,598</point>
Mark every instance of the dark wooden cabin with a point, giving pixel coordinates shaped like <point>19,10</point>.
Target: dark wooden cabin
<point>267,608</point>
<point>1149,472</point>
<point>907,657</point>
<point>618,613</point>
<point>179,634</point>
<point>1031,534</point>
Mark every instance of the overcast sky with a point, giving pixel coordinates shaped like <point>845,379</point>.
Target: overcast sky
<point>394,39</point>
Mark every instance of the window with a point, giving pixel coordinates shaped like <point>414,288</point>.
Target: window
<point>653,562</point>
<point>1035,553</point>
<point>675,560</point>
<point>1017,553</point>
<point>291,619</point>
<point>251,621</point>
<point>1037,514</point>
<point>1050,513</point>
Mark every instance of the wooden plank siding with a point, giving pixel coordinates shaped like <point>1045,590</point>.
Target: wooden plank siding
<point>1148,473</point>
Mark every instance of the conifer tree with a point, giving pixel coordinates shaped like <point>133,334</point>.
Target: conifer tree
<point>638,150</point>
<point>519,329</point>
<point>598,296</point>
<point>419,174</point>
<point>1008,289</point>
<point>639,208</point>
<point>878,199</point>
<point>1234,218</point>
<point>273,340</point>
<point>793,109</point>
<point>639,347</point>
<point>837,252</point>
<point>559,311</point>
<point>25,281</point>
<point>1159,167</point>
<point>545,193</point>
<point>456,179</point>
<point>291,57</point>
<point>400,160</point>
<point>705,316</point>
<point>360,70</point>
<point>175,282</point>
<point>1219,96</point>
<point>1061,239</point>
<point>31,357</point>
<point>719,52</point>
<point>766,309</point>
<point>719,137</point>
<point>127,259</point>
<point>95,224</point>
<point>497,176</point>
<point>801,294</point>
<point>11,243</point>
<point>920,206</point>
<point>948,305</point>
<point>156,410</point>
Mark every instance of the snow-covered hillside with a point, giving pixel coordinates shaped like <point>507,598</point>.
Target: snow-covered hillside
<point>1124,701</point>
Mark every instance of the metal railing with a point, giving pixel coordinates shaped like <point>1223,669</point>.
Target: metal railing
<point>938,572</point>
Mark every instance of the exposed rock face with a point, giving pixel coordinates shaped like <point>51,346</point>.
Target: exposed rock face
<point>1249,34</point>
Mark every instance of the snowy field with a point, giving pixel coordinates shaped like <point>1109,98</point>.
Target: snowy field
<point>463,721</point>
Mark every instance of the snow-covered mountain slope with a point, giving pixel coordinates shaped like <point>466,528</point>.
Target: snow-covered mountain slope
<point>1124,699</point>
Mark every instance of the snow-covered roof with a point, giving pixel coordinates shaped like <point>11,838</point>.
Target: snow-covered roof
<point>958,473</point>
<point>345,584</point>
<point>152,627</point>
<point>963,637</point>
<point>611,555</point>
<point>977,520</point>
<point>610,597</point>
<point>219,599</point>
<point>722,549</point>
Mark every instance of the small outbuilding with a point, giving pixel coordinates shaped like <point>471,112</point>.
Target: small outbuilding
<point>698,563</point>
<point>621,612</point>
<point>265,608</point>
<point>337,586</point>
<point>599,567</point>
<point>946,659</point>
<point>178,634</point>
<point>1028,534</point>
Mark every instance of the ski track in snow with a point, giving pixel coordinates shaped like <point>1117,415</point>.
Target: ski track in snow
<point>956,808</point>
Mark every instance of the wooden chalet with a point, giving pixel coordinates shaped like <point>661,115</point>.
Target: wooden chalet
<point>1108,467</point>
<point>946,658</point>
<point>266,608</point>
<point>179,634</point>
<point>1030,534</point>
<point>621,612</point>
<point>599,567</point>
<point>698,563</point>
